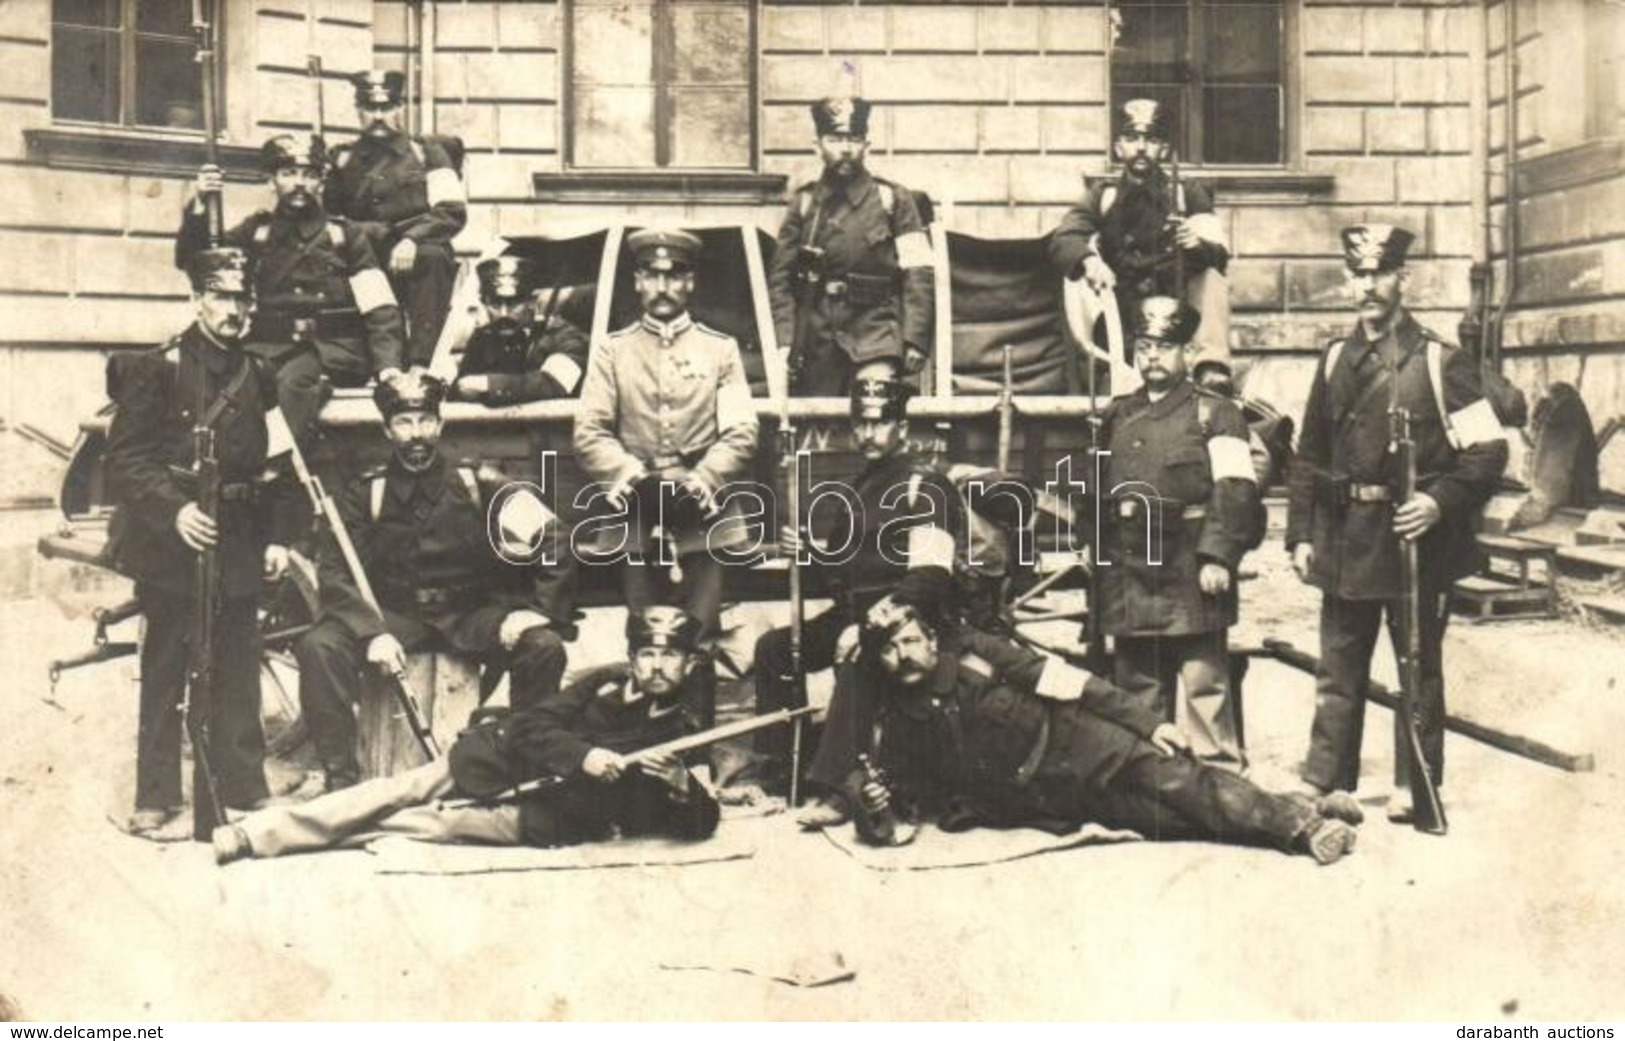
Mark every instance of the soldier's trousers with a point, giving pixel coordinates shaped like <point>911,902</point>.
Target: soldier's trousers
<point>404,805</point>
<point>1348,636</point>
<point>236,740</point>
<point>1186,680</point>
<point>1170,798</point>
<point>331,658</point>
<point>849,719</point>
<point>425,298</point>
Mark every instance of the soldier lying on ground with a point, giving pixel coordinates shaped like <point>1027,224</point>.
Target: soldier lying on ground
<point>978,732</point>
<point>582,736</point>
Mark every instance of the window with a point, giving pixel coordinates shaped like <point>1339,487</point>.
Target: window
<point>127,63</point>
<point>1605,32</point>
<point>1217,65</point>
<point>661,84</point>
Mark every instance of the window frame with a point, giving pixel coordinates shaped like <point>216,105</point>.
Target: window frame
<point>663,41</point>
<point>128,82</point>
<point>1290,156</point>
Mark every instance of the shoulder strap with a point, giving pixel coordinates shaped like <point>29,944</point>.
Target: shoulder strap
<point>1108,197</point>
<point>914,480</point>
<point>335,234</point>
<point>375,500</point>
<point>1179,198</point>
<point>804,202</point>
<point>418,152</point>
<point>226,395</point>
<point>262,234</point>
<point>888,197</point>
<point>1204,415</point>
<point>1333,353</point>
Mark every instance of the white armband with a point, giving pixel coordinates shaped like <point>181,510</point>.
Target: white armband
<point>930,547</point>
<point>371,291</point>
<point>1231,457</point>
<point>443,185</point>
<point>1207,228</point>
<point>1475,425</point>
<point>564,371</point>
<point>1062,682</point>
<point>278,435</point>
<point>914,250</point>
<point>734,407</point>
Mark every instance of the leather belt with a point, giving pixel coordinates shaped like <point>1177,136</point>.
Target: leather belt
<point>240,491</point>
<point>308,327</point>
<point>835,288</point>
<point>1370,493</point>
<point>1127,509</point>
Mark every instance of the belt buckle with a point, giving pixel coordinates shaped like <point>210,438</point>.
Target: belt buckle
<point>1128,508</point>
<point>835,288</point>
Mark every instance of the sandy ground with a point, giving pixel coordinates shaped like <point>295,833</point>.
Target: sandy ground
<point>1515,915</point>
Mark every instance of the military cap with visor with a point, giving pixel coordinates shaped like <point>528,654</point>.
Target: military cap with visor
<point>1143,116</point>
<point>506,279</point>
<point>662,626</point>
<point>222,270</point>
<point>1166,320</point>
<point>1370,248</point>
<point>416,390</point>
<point>880,399</point>
<point>846,116</point>
<point>284,150</point>
<point>664,249</point>
<point>376,88</point>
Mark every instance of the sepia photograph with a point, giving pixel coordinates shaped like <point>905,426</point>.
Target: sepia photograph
<point>582,511</point>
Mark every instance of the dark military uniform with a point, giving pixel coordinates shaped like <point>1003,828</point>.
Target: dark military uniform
<point>1000,736</point>
<point>904,516</point>
<point>851,279</point>
<point>149,465</point>
<point>398,188</point>
<point>1181,494</point>
<point>324,308</point>
<point>522,358</point>
<point>423,542</point>
<point>1343,488</point>
<point>551,739</point>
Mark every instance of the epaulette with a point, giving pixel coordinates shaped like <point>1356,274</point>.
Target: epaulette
<point>1429,334</point>
<point>341,155</point>
<point>336,233</point>
<point>608,688</point>
<point>635,326</point>
<point>702,327</point>
<point>373,472</point>
<point>1208,392</point>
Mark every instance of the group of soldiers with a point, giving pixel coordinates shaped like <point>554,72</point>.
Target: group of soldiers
<point>932,717</point>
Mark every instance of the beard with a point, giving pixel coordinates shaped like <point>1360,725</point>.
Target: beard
<point>416,454</point>
<point>298,201</point>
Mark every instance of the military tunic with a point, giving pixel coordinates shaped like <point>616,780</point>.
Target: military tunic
<point>537,364</point>
<point>1343,495</point>
<point>1001,736</point>
<point>323,307</point>
<point>1180,492</point>
<point>404,188</point>
<point>876,291</point>
<point>149,463</point>
<point>423,541</point>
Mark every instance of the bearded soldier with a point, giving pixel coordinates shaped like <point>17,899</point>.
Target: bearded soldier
<point>851,280</point>
<point>405,194</point>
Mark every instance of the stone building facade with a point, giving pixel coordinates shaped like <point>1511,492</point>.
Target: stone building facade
<point>582,113</point>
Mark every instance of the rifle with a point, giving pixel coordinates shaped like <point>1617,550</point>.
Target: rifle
<point>791,461</point>
<point>1007,408</point>
<point>203,29</point>
<point>197,705</point>
<point>313,67</point>
<point>322,503</point>
<point>1173,212</point>
<point>1096,649</point>
<point>676,746</point>
<point>1427,809</point>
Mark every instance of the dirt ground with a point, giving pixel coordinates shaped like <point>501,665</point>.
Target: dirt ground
<point>1515,915</point>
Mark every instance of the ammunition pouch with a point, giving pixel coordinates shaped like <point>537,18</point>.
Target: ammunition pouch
<point>870,290</point>
<point>237,493</point>
<point>809,266</point>
<point>428,599</point>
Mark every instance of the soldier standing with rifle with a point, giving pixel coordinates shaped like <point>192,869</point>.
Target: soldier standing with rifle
<point>590,743</point>
<point>404,193</point>
<point>419,530</point>
<point>192,427</point>
<point>1351,518</point>
<point>851,280</point>
<point>326,311</point>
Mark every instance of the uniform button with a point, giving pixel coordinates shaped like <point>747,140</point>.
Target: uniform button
<point>1139,444</point>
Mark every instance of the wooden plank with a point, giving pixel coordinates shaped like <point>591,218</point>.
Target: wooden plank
<point>1517,744</point>
<point>773,360</point>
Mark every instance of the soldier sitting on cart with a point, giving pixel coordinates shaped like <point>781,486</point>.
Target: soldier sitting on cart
<point>518,355</point>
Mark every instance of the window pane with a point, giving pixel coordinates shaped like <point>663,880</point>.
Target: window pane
<point>1244,44</point>
<point>614,127</point>
<point>86,12</point>
<point>712,43</point>
<point>613,43</point>
<point>171,17</point>
<point>168,85</point>
<point>85,75</point>
<point>1243,124</point>
<point>1150,44</point>
<point>710,128</point>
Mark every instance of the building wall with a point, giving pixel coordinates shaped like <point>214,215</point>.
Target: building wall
<point>998,109</point>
